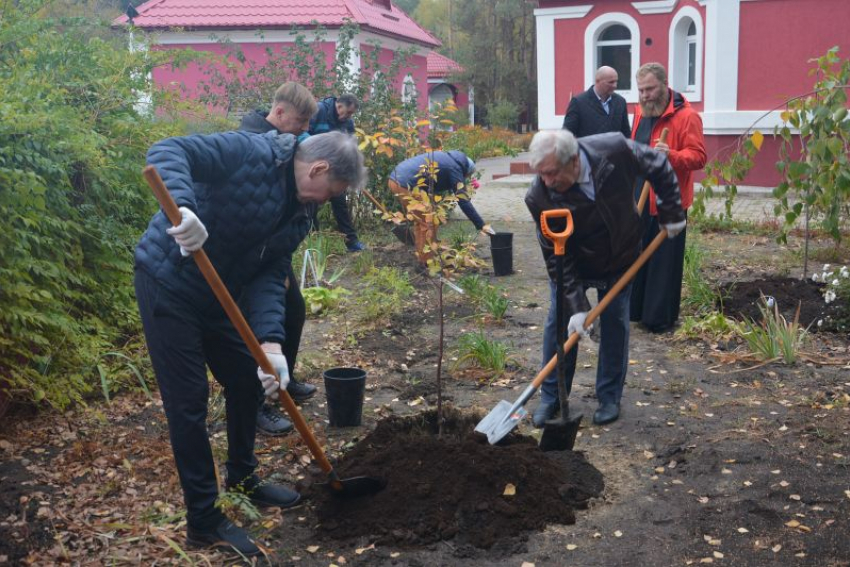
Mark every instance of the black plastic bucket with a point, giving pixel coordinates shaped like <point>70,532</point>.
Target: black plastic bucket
<point>344,389</point>
<point>502,250</point>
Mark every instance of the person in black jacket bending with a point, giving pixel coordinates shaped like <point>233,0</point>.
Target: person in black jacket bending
<point>256,193</point>
<point>334,113</point>
<point>599,109</point>
<point>594,178</point>
<point>292,108</point>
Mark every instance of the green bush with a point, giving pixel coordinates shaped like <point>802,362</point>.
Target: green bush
<point>383,294</point>
<point>503,114</point>
<point>72,146</point>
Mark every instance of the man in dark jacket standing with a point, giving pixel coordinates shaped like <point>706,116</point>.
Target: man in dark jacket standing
<point>334,113</point>
<point>657,290</point>
<point>292,107</point>
<point>594,178</point>
<point>599,109</point>
<point>255,193</point>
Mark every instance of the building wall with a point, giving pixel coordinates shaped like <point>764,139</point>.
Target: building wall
<point>193,77</point>
<point>773,66</point>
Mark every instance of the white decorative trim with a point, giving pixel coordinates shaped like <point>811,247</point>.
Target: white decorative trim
<point>736,123</point>
<point>563,13</point>
<point>276,36</point>
<point>545,70</point>
<point>675,53</point>
<point>471,94</point>
<point>590,36</point>
<point>722,31</point>
<point>655,6</point>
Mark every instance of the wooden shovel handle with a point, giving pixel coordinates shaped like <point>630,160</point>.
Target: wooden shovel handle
<point>202,260</point>
<point>375,201</point>
<point>600,307</point>
<point>644,194</point>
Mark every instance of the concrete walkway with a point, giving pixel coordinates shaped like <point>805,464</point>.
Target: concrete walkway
<point>501,200</point>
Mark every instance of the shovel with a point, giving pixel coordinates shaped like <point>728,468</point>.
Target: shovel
<point>644,193</point>
<point>350,487</point>
<point>400,231</point>
<point>505,416</point>
<point>559,434</point>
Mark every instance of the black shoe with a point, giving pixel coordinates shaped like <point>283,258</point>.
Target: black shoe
<point>606,413</point>
<point>300,391</point>
<point>227,536</point>
<point>267,495</point>
<point>543,413</point>
<point>271,422</point>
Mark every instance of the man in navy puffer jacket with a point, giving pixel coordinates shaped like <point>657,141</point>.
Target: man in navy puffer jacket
<point>251,195</point>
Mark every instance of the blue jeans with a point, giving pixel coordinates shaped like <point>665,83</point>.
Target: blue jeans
<point>613,347</point>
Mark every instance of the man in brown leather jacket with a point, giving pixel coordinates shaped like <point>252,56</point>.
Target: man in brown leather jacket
<point>594,178</point>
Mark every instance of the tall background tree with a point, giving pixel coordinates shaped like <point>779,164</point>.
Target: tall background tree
<point>494,42</point>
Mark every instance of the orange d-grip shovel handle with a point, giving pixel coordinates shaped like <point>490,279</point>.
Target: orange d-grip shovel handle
<point>559,239</point>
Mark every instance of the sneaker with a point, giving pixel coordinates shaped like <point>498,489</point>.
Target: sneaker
<point>355,246</point>
<point>271,422</point>
<point>300,391</point>
<point>227,536</point>
<point>266,495</point>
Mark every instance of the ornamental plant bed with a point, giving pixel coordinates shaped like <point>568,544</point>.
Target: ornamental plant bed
<point>742,299</point>
<point>455,487</point>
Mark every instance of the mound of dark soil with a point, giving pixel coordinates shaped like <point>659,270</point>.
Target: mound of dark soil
<point>453,487</point>
<point>742,299</point>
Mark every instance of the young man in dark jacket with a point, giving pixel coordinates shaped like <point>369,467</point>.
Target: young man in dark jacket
<point>334,114</point>
<point>594,178</point>
<point>292,108</point>
<point>256,194</point>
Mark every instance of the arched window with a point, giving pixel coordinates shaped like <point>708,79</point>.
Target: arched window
<point>440,94</point>
<point>686,41</point>
<point>614,49</point>
<point>613,39</point>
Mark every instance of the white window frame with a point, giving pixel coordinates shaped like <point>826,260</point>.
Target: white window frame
<point>678,53</point>
<point>591,38</point>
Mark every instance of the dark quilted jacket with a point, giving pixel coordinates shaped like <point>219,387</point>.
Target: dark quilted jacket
<point>242,187</point>
<point>607,232</point>
<point>326,119</point>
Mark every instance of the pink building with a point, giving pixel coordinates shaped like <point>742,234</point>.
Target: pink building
<point>441,87</point>
<point>256,25</point>
<point>734,60</point>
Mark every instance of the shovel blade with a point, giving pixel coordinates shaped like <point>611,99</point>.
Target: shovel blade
<point>560,434</point>
<point>500,421</point>
<point>355,487</point>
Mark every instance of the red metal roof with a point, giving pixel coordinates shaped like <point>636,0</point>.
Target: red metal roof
<point>270,14</point>
<point>441,66</point>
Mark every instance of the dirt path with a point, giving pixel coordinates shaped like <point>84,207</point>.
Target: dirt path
<point>709,462</point>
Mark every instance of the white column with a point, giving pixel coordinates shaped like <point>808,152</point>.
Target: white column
<point>471,93</point>
<point>352,63</point>
<point>722,30</point>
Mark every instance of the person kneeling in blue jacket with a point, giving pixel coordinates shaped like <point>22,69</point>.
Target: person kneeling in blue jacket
<point>256,194</point>
<point>453,170</point>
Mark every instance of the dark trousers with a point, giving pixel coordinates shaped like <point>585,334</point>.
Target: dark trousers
<point>657,288</point>
<point>182,342</point>
<point>293,326</point>
<point>613,347</point>
<point>339,204</point>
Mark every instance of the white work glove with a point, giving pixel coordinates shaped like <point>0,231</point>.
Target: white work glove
<point>674,228</point>
<point>190,234</point>
<point>487,229</point>
<point>278,361</point>
<point>576,325</point>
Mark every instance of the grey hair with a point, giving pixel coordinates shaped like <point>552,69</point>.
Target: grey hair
<point>345,161</point>
<point>562,143</point>
<point>348,100</point>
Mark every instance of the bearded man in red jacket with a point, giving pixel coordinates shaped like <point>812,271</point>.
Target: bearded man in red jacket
<point>657,289</point>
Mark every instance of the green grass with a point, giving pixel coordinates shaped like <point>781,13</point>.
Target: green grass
<point>774,337</point>
<point>477,350</point>
<point>383,294</point>
<point>699,296</point>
